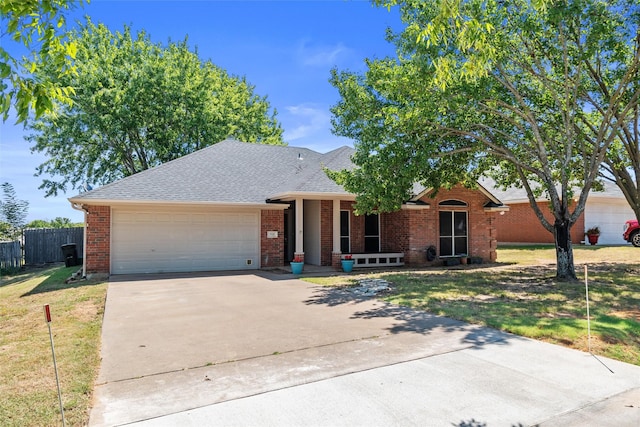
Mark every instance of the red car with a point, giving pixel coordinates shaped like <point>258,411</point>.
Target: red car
<point>631,232</point>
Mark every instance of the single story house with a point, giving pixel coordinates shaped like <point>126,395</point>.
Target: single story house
<point>235,206</point>
<point>608,210</point>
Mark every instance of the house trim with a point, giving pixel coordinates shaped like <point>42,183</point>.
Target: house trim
<point>178,204</point>
<point>503,208</point>
<point>415,206</point>
<point>482,190</point>
<point>293,195</point>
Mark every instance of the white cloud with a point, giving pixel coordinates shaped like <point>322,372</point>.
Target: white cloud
<point>304,120</point>
<point>324,56</point>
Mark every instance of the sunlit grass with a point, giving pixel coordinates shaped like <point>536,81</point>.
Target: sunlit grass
<point>28,394</point>
<point>520,295</point>
<point>582,254</point>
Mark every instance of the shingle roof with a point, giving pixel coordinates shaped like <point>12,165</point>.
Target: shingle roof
<point>517,195</point>
<point>229,172</point>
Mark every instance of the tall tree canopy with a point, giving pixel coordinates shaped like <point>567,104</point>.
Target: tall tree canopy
<point>506,87</point>
<point>138,104</point>
<point>38,26</point>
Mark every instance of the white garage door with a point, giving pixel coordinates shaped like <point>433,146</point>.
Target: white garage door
<point>158,241</point>
<point>610,215</point>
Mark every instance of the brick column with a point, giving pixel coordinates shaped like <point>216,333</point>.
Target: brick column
<point>271,248</point>
<point>98,238</point>
<point>335,260</point>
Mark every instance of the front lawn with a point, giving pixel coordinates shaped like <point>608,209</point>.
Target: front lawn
<point>28,394</point>
<point>521,296</point>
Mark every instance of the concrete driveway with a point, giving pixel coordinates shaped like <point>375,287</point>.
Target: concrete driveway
<point>267,349</point>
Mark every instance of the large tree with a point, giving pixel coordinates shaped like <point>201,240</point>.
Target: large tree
<point>39,27</point>
<point>498,87</point>
<point>13,213</point>
<point>138,104</point>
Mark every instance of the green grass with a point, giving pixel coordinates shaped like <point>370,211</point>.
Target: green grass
<point>582,254</point>
<point>522,297</point>
<point>28,394</point>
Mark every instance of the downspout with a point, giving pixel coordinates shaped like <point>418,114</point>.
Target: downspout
<point>84,238</point>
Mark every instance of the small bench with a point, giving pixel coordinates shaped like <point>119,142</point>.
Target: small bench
<point>386,259</point>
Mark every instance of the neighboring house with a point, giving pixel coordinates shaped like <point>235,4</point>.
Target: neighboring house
<point>234,206</point>
<point>606,209</point>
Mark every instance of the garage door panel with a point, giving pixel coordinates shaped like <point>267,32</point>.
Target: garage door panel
<point>610,215</point>
<point>163,241</point>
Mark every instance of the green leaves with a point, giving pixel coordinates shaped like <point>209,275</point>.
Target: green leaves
<point>498,87</point>
<point>36,25</point>
<point>137,104</point>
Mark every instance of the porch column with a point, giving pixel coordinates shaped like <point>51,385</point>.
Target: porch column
<point>299,227</point>
<point>336,252</point>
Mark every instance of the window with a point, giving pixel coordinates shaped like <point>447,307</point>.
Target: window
<point>453,233</point>
<point>345,241</point>
<point>456,203</point>
<point>371,233</point>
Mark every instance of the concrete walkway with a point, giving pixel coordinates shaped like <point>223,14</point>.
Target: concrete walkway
<point>248,349</point>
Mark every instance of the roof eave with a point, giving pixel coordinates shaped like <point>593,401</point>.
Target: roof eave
<point>308,195</point>
<point>215,204</point>
<point>487,193</point>
<point>483,190</point>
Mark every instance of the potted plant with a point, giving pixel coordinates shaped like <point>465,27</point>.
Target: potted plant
<point>347,263</point>
<point>296,265</point>
<point>592,234</point>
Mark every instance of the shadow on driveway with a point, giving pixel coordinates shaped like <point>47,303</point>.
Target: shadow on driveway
<point>407,319</point>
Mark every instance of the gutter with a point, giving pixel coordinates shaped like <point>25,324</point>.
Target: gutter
<point>84,238</point>
<point>170,203</point>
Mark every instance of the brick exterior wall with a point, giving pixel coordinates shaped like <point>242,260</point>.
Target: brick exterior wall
<point>396,234</point>
<point>481,227</point>
<point>412,231</point>
<point>521,225</point>
<point>98,249</point>
<point>271,250</point>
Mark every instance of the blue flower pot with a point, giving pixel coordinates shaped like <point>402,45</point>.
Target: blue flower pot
<point>347,265</point>
<point>296,267</point>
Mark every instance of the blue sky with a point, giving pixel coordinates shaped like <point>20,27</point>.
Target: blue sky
<point>286,49</point>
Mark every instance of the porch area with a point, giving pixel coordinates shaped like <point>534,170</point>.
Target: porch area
<point>323,232</point>
<point>361,261</point>
<point>387,259</point>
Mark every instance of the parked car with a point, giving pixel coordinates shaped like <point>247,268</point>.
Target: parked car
<point>631,232</point>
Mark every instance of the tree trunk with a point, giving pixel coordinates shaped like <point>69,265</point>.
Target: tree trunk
<point>565,269</point>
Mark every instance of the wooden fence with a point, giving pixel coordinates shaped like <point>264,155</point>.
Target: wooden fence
<point>10,255</point>
<point>43,245</point>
